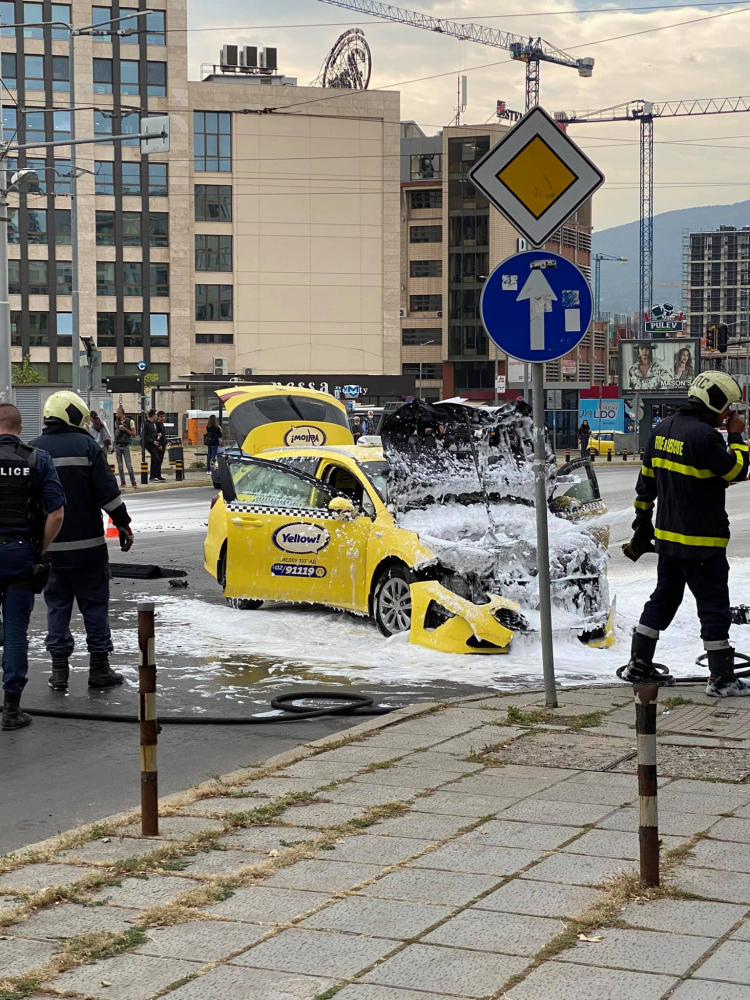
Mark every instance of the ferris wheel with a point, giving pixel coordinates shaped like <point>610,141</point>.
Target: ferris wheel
<point>348,64</point>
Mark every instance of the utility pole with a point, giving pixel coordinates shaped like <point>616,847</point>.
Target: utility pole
<point>422,343</point>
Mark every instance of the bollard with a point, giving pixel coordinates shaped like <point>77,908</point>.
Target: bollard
<point>179,473</point>
<point>592,454</point>
<point>567,455</point>
<point>147,718</point>
<point>648,824</point>
<point>609,455</point>
<point>144,474</point>
<point>624,454</point>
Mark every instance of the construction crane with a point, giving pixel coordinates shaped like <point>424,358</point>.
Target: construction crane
<point>532,51</point>
<point>598,258</point>
<point>645,112</point>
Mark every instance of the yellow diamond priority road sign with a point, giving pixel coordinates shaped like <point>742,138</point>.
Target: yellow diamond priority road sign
<point>536,176</point>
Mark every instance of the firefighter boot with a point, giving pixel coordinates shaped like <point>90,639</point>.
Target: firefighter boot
<point>13,717</point>
<point>641,669</point>
<point>723,683</point>
<point>60,672</point>
<point>101,675</point>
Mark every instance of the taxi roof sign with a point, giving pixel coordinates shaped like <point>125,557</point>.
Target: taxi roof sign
<point>536,176</point>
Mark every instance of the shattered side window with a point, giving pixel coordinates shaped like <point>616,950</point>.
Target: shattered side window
<point>268,486</point>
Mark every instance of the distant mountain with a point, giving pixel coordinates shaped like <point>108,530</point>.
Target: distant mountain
<point>620,281</point>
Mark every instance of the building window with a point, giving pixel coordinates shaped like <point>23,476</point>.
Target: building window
<point>38,329</point>
<point>15,329</point>
<point>130,24</point>
<point>214,338</point>
<point>105,277</point>
<point>133,323</point>
<point>13,234</point>
<point>468,268</point>
<point>156,28</point>
<point>14,277</point>
<point>156,79</point>
<point>36,221</point>
<point>102,125</point>
<point>213,203</point>
<point>132,278</point>
<point>467,340</point>
<point>159,280</point>
<point>38,284</point>
<point>213,302</point>
<point>131,179</point>
<point>157,180</point>
<point>34,122</point>
<point>425,167</point>
<point>60,73</point>
<point>60,125</point>
<point>213,253</point>
<point>427,199</point>
<point>60,12</point>
<point>212,140</point>
<point>62,227</point>
<point>130,125</point>
<point>59,180</point>
<point>105,330</point>
<point>468,230</point>
<point>40,166</point>
<point>425,268</point>
<point>158,229</point>
<point>64,277</point>
<point>8,68</point>
<point>131,229</point>
<point>128,77</point>
<point>104,177</point>
<point>426,234</point>
<point>33,72</point>
<point>32,14</point>
<point>103,76</point>
<point>64,326</point>
<point>431,371</point>
<point>102,15</point>
<point>7,16</point>
<point>159,329</point>
<point>105,229</point>
<point>413,337</point>
<point>425,303</point>
<point>473,374</point>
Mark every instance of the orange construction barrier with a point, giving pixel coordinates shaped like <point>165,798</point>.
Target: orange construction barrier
<point>111,531</point>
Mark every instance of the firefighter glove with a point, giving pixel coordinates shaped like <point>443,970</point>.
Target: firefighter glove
<point>642,542</point>
<point>126,539</point>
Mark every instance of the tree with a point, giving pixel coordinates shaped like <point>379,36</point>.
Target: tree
<point>25,374</point>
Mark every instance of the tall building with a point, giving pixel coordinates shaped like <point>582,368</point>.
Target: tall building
<point>257,243</point>
<point>716,275</point>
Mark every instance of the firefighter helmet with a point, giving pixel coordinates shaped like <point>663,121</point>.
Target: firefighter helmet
<point>67,408</point>
<point>716,390</point>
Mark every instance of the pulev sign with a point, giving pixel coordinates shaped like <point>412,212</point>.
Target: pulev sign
<point>301,538</point>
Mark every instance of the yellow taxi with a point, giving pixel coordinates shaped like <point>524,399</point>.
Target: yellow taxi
<point>271,416</point>
<point>311,525</point>
<point>608,442</point>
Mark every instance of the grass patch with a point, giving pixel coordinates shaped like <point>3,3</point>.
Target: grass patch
<point>516,716</point>
<point>678,700</point>
<point>587,720</point>
<point>264,814</point>
<point>326,995</point>
<point>382,765</point>
<point>21,989</point>
<point>99,945</point>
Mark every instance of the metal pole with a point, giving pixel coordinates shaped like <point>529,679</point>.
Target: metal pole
<point>526,382</point>
<point>542,539</point>
<point>6,391</point>
<point>75,305</point>
<point>747,383</point>
<point>648,824</point>
<point>147,717</point>
<point>420,369</point>
<point>495,400</point>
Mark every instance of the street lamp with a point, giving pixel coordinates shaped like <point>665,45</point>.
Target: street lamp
<point>422,343</point>
<point>20,180</point>
<point>598,258</point>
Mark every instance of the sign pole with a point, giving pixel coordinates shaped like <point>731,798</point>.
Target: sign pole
<point>542,536</point>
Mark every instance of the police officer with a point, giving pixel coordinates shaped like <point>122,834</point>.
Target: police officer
<point>80,561</point>
<point>687,467</point>
<point>29,490</point>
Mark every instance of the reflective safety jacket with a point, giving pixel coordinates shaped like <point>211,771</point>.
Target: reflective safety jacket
<point>90,488</point>
<point>687,467</point>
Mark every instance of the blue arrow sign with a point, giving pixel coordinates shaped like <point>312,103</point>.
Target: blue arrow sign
<point>536,306</point>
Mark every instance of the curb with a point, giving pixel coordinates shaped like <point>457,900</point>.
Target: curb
<point>159,487</point>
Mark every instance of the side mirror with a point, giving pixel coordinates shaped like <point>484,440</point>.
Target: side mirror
<point>225,478</point>
<point>342,505</point>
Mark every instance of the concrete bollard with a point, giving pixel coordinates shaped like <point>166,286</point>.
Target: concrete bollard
<point>179,471</point>
<point>648,824</point>
<point>144,474</point>
<point>147,718</point>
<point>567,455</point>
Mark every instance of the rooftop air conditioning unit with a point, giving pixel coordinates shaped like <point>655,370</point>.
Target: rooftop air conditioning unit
<point>229,55</point>
<point>440,313</point>
<point>221,366</point>
<point>248,371</point>
<point>402,313</point>
<point>268,59</point>
<point>249,56</point>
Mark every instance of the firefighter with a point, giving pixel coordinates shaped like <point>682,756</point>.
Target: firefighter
<point>687,467</point>
<point>32,505</point>
<point>79,557</point>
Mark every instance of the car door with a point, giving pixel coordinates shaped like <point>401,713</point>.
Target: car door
<point>284,543</point>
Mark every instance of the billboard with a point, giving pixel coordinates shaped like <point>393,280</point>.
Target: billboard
<point>604,414</point>
<point>658,365</point>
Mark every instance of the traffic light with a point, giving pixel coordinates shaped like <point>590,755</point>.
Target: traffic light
<point>722,338</point>
<point>710,338</point>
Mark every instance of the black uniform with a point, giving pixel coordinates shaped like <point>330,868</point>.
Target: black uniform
<point>79,557</point>
<point>687,467</point>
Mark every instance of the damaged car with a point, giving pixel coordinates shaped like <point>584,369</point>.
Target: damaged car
<point>433,534</point>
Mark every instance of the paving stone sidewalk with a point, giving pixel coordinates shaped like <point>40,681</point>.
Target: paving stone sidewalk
<point>483,848</point>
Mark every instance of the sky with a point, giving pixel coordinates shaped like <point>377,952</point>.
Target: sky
<point>698,161</point>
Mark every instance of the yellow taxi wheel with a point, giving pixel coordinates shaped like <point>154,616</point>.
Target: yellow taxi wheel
<point>391,601</point>
<point>243,603</point>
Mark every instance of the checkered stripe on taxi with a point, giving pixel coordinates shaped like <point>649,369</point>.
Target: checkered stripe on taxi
<point>315,512</point>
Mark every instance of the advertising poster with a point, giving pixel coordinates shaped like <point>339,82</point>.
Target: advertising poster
<point>604,415</point>
<point>658,365</point>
